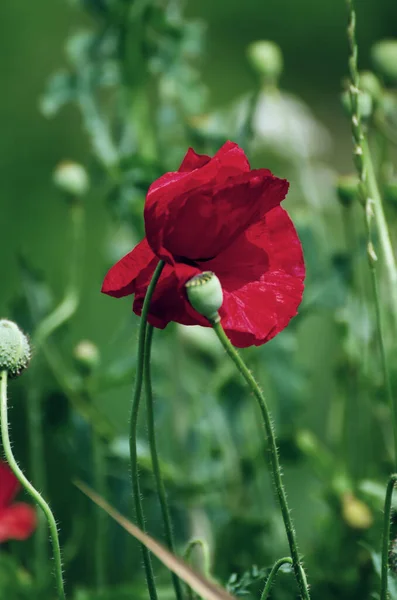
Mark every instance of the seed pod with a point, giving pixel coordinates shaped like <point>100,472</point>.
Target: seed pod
<point>14,349</point>
<point>204,292</point>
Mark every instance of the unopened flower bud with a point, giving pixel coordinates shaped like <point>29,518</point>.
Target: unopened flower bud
<point>365,104</point>
<point>71,178</point>
<point>347,189</point>
<point>14,349</point>
<point>355,513</point>
<point>384,58</point>
<point>266,58</point>
<point>204,292</point>
<point>86,355</point>
<point>370,84</point>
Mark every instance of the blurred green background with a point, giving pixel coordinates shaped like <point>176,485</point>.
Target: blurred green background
<point>305,371</point>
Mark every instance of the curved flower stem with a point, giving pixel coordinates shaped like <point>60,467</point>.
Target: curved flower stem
<point>133,429</point>
<point>161,492</point>
<point>372,204</point>
<point>99,477</point>
<point>66,309</point>
<point>38,474</point>
<point>386,537</point>
<point>206,561</point>
<point>274,463</point>
<point>275,569</point>
<point>62,313</point>
<point>29,487</point>
<point>206,555</point>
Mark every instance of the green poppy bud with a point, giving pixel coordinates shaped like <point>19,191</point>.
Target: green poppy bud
<point>347,189</point>
<point>204,292</point>
<point>384,58</point>
<point>14,349</point>
<point>86,356</point>
<point>71,178</point>
<point>267,60</point>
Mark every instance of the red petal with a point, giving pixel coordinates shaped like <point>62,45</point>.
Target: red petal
<point>17,522</point>
<point>262,276</point>
<point>120,279</point>
<point>193,161</point>
<point>201,223</point>
<point>169,193</point>
<point>9,485</point>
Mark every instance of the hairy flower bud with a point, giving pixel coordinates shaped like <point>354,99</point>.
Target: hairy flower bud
<point>71,178</point>
<point>14,349</point>
<point>347,189</point>
<point>204,292</point>
<point>266,58</point>
<point>384,58</point>
<point>86,355</point>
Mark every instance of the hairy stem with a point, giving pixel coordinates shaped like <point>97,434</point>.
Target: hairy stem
<point>161,492</point>
<point>272,575</point>
<point>134,425</point>
<point>386,537</point>
<point>29,487</point>
<point>99,477</point>
<point>274,463</point>
<point>37,468</point>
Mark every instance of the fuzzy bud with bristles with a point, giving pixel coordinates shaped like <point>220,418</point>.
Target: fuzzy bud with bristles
<point>204,292</point>
<point>14,349</point>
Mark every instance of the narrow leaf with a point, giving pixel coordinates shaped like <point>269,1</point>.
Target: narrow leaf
<point>207,590</point>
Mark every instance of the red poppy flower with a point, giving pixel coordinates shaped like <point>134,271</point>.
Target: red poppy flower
<point>216,214</point>
<point>17,519</point>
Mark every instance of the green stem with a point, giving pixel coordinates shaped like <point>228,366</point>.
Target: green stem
<point>37,467</point>
<point>45,328</point>
<point>383,230</point>
<point>372,204</point>
<point>206,562</point>
<point>134,425</point>
<point>29,487</point>
<point>206,555</point>
<point>66,309</point>
<point>161,492</point>
<point>274,463</point>
<point>392,400</point>
<point>100,516</point>
<point>275,569</point>
<point>386,537</point>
